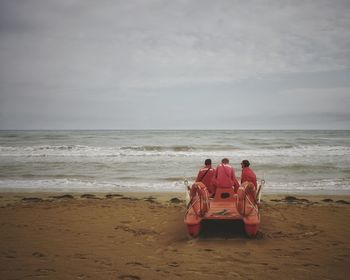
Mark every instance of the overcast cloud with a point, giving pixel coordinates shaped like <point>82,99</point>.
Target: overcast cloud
<point>174,64</point>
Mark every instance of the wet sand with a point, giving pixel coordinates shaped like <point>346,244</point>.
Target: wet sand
<point>142,236</point>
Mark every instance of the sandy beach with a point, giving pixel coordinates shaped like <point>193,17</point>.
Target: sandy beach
<point>142,236</point>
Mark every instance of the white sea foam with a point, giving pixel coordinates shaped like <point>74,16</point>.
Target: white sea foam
<point>293,161</point>
<point>92,151</point>
<point>75,185</point>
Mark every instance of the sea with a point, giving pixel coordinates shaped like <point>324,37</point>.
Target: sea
<point>289,161</point>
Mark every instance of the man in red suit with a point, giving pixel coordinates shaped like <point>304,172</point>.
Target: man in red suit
<point>248,174</point>
<point>225,176</point>
<point>205,175</point>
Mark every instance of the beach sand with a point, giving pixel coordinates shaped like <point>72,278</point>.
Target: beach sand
<point>142,236</point>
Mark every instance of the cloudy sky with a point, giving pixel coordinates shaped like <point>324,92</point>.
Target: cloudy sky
<point>186,64</point>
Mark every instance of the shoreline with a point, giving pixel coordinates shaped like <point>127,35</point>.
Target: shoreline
<point>10,198</point>
<point>162,195</point>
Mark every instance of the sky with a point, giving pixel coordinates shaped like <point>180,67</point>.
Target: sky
<point>165,64</point>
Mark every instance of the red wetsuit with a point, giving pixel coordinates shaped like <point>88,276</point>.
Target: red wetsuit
<point>225,177</point>
<point>248,175</point>
<point>206,177</point>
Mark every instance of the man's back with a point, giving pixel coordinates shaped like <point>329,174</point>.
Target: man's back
<point>248,175</point>
<point>205,175</point>
<point>225,177</point>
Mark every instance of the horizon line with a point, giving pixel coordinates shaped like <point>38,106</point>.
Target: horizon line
<point>180,129</point>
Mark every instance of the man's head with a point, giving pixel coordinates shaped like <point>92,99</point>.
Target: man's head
<point>225,161</point>
<point>245,163</point>
<point>207,161</point>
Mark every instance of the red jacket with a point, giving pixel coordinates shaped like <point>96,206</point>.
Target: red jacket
<point>225,177</point>
<point>206,177</point>
<point>248,175</point>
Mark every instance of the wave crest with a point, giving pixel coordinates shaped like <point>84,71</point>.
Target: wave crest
<point>176,148</point>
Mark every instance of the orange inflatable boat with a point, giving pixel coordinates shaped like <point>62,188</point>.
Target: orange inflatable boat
<point>226,205</point>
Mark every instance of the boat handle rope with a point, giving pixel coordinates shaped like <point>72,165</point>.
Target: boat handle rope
<point>191,204</point>
<point>251,203</point>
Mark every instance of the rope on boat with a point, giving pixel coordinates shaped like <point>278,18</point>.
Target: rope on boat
<point>203,199</point>
<point>252,204</point>
<point>191,206</point>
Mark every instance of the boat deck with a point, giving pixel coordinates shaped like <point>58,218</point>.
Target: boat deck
<point>222,211</point>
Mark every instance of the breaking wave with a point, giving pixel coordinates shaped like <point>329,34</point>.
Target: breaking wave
<point>159,148</point>
<point>171,151</point>
<point>159,161</point>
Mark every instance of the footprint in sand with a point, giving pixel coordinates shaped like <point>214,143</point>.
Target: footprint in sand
<point>10,257</point>
<point>103,263</point>
<point>173,264</point>
<point>137,232</point>
<point>45,270</point>
<point>208,250</point>
<point>38,254</point>
<point>273,268</point>
<point>137,264</point>
<point>244,254</point>
<point>311,264</point>
<point>306,249</point>
<point>129,277</point>
<point>80,256</point>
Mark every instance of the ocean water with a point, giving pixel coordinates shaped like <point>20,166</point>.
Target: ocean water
<point>289,161</point>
